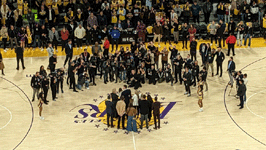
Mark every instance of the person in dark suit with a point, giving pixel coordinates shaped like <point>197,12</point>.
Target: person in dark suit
<point>219,61</point>
<point>127,94</point>
<point>202,50</point>
<point>187,81</point>
<point>156,113</point>
<point>114,97</point>
<point>19,52</point>
<point>109,111</point>
<point>72,71</point>
<point>52,62</point>
<point>231,68</point>
<point>68,51</point>
<point>241,92</point>
<point>193,49</point>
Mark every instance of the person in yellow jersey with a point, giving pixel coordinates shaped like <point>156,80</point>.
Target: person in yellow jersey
<point>122,13</point>
<point>25,7</point>
<point>29,37</point>
<point>114,18</point>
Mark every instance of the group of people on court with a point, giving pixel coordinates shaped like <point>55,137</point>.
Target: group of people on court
<point>124,104</point>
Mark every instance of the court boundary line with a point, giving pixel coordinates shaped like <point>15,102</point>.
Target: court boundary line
<point>134,143</point>
<point>250,109</point>
<point>229,112</point>
<point>32,112</point>
<point>9,119</point>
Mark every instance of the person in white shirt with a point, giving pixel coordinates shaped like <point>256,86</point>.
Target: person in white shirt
<point>80,33</point>
<point>135,98</point>
<point>245,79</point>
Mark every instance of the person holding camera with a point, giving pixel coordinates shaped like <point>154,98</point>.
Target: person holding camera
<point>168,74</point>
<point>35,84</point>
<point>187,81</point>
<point>83,79</point>
<point>231,69</point>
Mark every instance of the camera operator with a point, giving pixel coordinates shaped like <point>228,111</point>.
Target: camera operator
<point>178,63</point>
<point>60,79</point>
<point>53,78</point>
<point>238,77</point>
<point>72,71</point>
<point>83,79</point>
<point>241,92</point>
<point>36,85</point>
<point>231,69</point>
<point>93,68</point>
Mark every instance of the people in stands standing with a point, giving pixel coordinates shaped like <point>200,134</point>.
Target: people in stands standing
<point>196,11</point>
<point>157,31</point>
<point>54,38</point>
<point>12,36</point>
<point>115,34</point>
<point>248,34</point>
<point>207,9</point>
<point>64,37</point>
<point>220,11</point>
<point>240,32</point>
<point>80,33</point>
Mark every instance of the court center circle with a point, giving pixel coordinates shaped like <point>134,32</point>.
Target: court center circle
<point>10,116</point>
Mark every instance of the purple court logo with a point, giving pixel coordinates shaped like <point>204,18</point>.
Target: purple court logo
<point>96,113</point>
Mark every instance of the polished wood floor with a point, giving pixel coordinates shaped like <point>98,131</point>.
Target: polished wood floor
<point>183,127</point>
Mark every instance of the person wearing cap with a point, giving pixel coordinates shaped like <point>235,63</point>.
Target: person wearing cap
<point>79,34</point>
<point>115,34</point>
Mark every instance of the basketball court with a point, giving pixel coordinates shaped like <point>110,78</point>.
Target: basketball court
<point>77,120</point>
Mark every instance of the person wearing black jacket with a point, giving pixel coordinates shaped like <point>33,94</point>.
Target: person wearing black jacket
<point>71,28</point>
<point>37,38</point>
<point>50,16</point>
<point>144,111</point>
<point>53,85</point>
<point>93,68</point>
<point>193,49</point>
<point>72,72</point>
<point>19,53</point>
<point>173,55</point>
<point>184,35</point>
<point>231,27</point>
<point>95,34</point>
<point>133,47</point>
<point>44,37</point>
<point>35,84</point>
<point>248,34</point>
<point>60,79</point>
<point>187,81</point>
<point>167,32</point>
<point>52,62</point>
<point>207,9</point>
<point>68,51</point>
<point>231,68</point>
<point>12,36</point>
<point>195,72</point>
<point>219,61</point>
<point>248,16</point>
<point>203,74</point>
<point>152,75</point>
<point>243,8</point>
<point>102,20</point>
<point>127,95</point>
<point>202,51</point>
<point>220,11</point>
<point>107,69</point>
<point>178,63</point>
<point>220,34</point>
<point>176,31</point>
<point>88,36</point>
<point>241,92</point>
<point>45,87</point>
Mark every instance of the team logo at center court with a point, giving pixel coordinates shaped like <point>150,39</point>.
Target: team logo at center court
<point>96,114</point>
